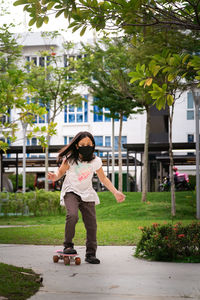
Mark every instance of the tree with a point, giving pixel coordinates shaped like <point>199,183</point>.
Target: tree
<point>145,47</point>
<point>104,70</point>
<point>187,67</point>
<point>12,88</point>
<point>117,14</point>
<point>163,75</point>
<point>53,87</point>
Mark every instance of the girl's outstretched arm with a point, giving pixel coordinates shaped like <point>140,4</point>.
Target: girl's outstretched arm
<point>60,172</point>
<point>120,197</point>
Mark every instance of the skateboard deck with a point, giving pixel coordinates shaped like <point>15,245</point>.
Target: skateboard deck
<point>67,258</point>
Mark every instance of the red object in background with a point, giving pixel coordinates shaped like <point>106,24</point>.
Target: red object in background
<point>39,183</point>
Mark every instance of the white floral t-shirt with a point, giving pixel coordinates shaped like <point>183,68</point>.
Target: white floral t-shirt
<point>78,179</point>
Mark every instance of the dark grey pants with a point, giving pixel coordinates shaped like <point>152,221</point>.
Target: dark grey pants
<point>73,203</point>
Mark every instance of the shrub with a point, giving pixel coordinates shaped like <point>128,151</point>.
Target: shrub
<point>30,178</point>
<point>37,203</point>
<point>170,242</point>
<point>192,181</point>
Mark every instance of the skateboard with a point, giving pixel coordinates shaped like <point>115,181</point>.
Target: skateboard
<point>67,258</point>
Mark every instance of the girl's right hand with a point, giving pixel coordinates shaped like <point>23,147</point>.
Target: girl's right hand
<point>120,197</point>
<point>52,176</point>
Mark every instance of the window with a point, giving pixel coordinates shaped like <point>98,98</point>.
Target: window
<point>41,61</point>
<point>190,102</point>
<point>69,59</point>
<point>34,60</point>
<point>107,119</point>
<point>99,142</point>
<point>74,114</point>
<point>124,118</point>
<point>107,141</point>
<point>86,109</point>
<point>100,115</point>
<point>97,117</point>
<point>27,58</point>
<point>190,138</point>
<point>123,141</point>
<point>65,61</point>
<point>31,142</point>
<point>38,119</point>
<point>67,140</point>
<point>190,107</point>
<point>6,118</point>
<point>190,115</point>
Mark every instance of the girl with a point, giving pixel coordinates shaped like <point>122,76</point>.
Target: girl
<point>79,164</point>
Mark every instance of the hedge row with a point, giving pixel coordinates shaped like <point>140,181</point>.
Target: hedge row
<point>170,242</point>
<point>36,203</point>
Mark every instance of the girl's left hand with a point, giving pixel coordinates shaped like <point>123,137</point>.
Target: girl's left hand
<point>120,197</point>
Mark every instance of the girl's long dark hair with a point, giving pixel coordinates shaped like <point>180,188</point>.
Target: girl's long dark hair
<point>70,151</point>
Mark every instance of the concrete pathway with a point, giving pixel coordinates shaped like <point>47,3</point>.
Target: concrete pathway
<point>119,276</point>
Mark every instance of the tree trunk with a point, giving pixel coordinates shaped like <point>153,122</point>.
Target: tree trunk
<point>120,154</point>
<point>173,199</point>
<point>146,156</point>
<point>113,151</point>
<point>47,164</point>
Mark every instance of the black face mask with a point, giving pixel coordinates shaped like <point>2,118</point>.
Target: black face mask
<point>86,152</point>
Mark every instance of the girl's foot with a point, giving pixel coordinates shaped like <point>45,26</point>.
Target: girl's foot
<point>69,251</point>
<point>92,259</point>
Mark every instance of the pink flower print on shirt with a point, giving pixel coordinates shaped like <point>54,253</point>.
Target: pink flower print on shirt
<point>83,171</point>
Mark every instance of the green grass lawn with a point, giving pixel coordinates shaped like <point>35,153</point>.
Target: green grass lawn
<point>18,283</point>
<point>117,222</point>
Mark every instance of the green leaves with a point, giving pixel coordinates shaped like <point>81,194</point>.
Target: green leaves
<point>163,76</point>
<point>160,94</point>
<point>20,2</point>
<point>32,22</point>
<point>39,22</point>
<point>83,30</point>
<point>122,14</point>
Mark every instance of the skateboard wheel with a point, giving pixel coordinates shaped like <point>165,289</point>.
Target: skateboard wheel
<point>66,260</point>
<point>55,258</point>
<point>77,260</point>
